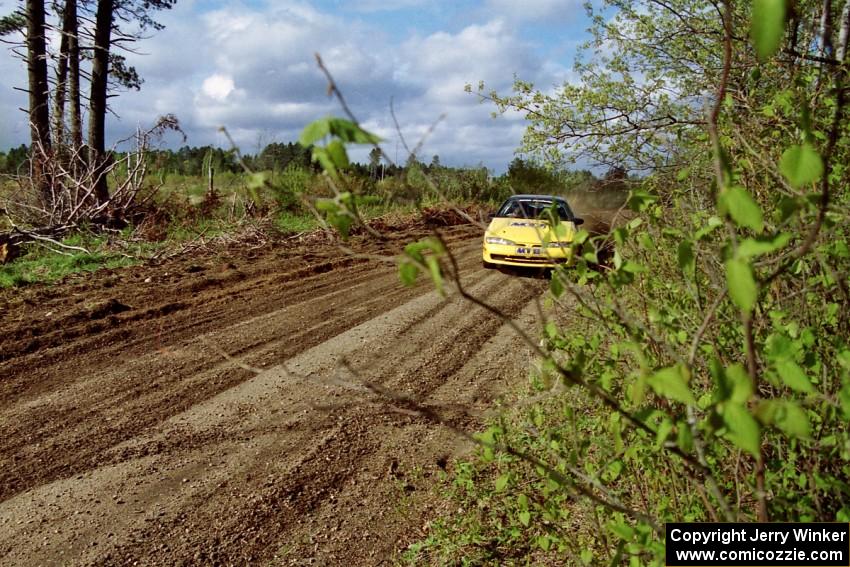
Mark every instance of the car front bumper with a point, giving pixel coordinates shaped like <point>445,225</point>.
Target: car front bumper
<point>508,256</point>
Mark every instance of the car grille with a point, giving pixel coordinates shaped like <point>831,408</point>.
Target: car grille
<point>528,259</point>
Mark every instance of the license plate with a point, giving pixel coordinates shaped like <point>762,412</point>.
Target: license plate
<point>529,251</point>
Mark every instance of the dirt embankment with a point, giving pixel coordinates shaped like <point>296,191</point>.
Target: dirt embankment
<point>210,410</point>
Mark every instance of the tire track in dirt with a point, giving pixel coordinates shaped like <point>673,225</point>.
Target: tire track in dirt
<point>164,452</point>
<point>173,377</point>
<point>162,369</point>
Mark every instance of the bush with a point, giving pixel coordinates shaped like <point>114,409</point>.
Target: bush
<point>704,375</point>
<point>290,186</point>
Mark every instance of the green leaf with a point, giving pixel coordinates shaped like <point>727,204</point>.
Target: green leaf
<point>322,156</point>
<point>615,427</point>
<point>489,435</point>
<point>844,398</point>
<point>436,273</point>
<point>793,376</point>
<point>684,438</point>
<point>560,231</point>
<point>671,383</point>
<point>522,501</point>
<point>787,206</point>
<point>336,152</point>
<point>801,165</point>
<point>544,542</point>
<point>640,199</point>
<point>740,205</point>
<point>742,286</point>
<point>342,223</point>
<point>753,247</point>
<point>786,415</point>
<point>347,131</point>
<point>713,224</point>
<point>314,131</point>
<point>621,530</point>
<point>735,384</point>
<point>743,429</point>
<point>793,421</point>
<point>687,258</point>
<point>843,359</point>
<point>614,470</point>
<point>502,482</point>
<point>779,346</point>
<point>416,249</point>
<point>618,260</point>
<point>407,272</point>
<point>633,267</point>
<point>351,133</point>
<point>637,389</point>
<point>327,205</point>
<point>663,432</point>
<point>740,384</point>
<point>556,286</point>
<point>525,518</point>
<point>767,26</point>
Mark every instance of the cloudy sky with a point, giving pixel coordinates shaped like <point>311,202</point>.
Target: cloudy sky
<point>249,65</point>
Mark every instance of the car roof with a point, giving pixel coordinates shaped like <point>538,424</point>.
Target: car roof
<point>539,197</point>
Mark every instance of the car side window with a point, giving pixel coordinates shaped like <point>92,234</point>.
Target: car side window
<point>510,209</point>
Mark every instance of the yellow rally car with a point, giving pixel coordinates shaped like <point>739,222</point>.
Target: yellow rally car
<point>530,230</point>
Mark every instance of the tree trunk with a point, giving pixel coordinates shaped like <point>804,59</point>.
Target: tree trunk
<point>61,86</point>
<point>97,98</point>
<point>68,78</point>
<point>74,74</point>
<point>843,33</point>
<point>39,98</point>
<point>826,30</point>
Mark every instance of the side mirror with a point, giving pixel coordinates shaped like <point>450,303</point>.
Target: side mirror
<point>491,216</point>
<point>578,221</point>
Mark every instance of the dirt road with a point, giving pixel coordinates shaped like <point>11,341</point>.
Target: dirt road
<point>210,410</point>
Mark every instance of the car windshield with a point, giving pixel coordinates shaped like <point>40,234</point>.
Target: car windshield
<point>532,209</point>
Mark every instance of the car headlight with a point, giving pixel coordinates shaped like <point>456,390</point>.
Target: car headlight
<point>497,240</point>
<point>559,245</point>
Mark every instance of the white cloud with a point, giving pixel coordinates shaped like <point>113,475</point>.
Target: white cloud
<point>371,6</point>
<point>252,69</point>
<point>442,63</point>
<point>217,87</point>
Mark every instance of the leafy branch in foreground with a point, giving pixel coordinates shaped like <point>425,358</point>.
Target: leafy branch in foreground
<point>705,373</point>
<point>721,325</point>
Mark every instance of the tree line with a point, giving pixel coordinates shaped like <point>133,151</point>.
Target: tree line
<point>524,175</point>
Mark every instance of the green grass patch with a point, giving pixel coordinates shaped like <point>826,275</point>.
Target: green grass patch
<point>39,265</point>
<point>504,512</point>
<point>288,222</point>
<point>188,231</point>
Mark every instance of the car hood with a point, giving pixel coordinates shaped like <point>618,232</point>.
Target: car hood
<point>528,231</point>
